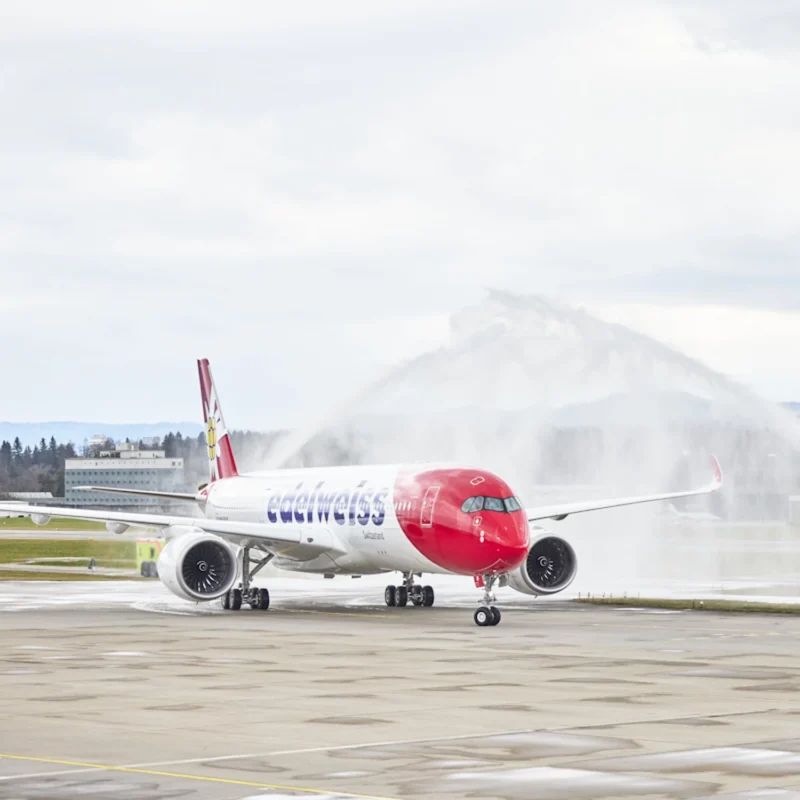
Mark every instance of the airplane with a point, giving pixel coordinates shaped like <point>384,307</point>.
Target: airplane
<point>352,520</point>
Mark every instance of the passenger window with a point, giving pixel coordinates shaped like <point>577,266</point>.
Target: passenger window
<point>494,504</point>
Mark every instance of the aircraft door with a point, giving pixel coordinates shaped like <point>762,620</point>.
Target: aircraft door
<point>427,507</point>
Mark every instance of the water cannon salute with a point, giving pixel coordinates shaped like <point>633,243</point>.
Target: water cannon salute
<point>413,519</point>
<point>482,299</point>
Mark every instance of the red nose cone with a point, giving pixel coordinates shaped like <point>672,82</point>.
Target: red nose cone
<point>442,526</point>
<point>511,539</point>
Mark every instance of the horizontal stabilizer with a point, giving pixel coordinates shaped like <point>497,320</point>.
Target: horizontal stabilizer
<point>140,492</point>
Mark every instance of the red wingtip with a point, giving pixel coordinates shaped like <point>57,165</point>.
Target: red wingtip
<point>718,477</point>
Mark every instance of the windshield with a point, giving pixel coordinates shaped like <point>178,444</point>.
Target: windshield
<point>473,504</point>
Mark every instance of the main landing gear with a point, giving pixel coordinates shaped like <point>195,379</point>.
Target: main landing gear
<point>400,595</point>
<point>257,599</point>
<point>487,615</point>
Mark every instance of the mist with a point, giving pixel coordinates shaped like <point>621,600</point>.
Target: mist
<point>566,406</point>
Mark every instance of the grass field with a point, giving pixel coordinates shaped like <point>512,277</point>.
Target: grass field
<point>55,524</point>
<point>694,605</point>
<point>14,575</point>
<point>107,552</point>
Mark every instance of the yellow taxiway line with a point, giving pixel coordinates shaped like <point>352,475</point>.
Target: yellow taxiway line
<point>187,777</point>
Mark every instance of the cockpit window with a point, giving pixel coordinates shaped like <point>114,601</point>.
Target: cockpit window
<point>472,504</point>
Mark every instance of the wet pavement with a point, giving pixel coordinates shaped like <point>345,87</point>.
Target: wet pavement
<point>121,691</point>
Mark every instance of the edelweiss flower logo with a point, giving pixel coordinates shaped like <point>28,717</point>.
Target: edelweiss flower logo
<point>211,438</point>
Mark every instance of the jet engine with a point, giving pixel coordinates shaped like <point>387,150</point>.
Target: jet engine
<point>550,567</point>
<point>198,565</point>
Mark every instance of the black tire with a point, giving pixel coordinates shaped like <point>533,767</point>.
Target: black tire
<point>484,617</point>
<point>226,601</point>
<point>402,596</point>
<point>263,599</point>
<point>236,599</point>
<point>427,596</point>
<point>496,616</point>
<point>416,599</point>
<point>390,596</point>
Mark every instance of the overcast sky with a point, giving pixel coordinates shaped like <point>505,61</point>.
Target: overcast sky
<point>303,192</point>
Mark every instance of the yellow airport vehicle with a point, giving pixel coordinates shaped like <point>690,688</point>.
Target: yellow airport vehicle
<point>147,553</point>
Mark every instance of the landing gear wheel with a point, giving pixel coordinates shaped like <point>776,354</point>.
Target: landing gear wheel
<point>236,599</point>
<point>417,599</point>
<point>226,600</point>
<point>484,617</point>
<point>427,595</point>
<point>390,595</point>
<point>402,596</point>
<point>262,599</point>
<point>496,616</point>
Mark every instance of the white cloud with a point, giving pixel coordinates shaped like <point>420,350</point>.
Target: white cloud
<point>757,347</point>
<point>295,188</point>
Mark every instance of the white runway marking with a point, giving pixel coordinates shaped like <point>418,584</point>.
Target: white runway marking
<point>333,748</point>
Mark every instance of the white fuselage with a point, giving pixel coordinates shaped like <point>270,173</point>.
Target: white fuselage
<point>356,506</point>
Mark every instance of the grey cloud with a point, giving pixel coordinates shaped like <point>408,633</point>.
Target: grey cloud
<point>274,188</point>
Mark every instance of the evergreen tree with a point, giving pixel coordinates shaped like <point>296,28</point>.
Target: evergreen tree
<point>52,451</point>
<point>16,451</point>
<point>5,455</point>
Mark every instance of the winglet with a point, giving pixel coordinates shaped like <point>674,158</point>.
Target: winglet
<point>220,453</point>
<point>718,476</point>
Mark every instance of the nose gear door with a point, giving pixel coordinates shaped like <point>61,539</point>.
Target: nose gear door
<point>426,509</point>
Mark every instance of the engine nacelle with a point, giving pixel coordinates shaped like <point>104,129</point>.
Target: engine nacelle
<point>198,565</point>
<point>550,567</point>
<point>116,527</point>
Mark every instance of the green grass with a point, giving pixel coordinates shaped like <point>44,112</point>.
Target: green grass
<point>55,524</point>
<point>14,575</point>
<point>105,551</point>
<point>696,605</point>
<point>115,563</point>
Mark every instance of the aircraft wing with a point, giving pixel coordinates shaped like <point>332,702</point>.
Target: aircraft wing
<point>560,511</point>
<point>291,541</point>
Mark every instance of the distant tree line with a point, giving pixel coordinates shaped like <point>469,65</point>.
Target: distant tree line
<point>40,469</point>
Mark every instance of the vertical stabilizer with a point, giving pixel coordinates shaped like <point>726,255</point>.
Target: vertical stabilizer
<point>220,453</point>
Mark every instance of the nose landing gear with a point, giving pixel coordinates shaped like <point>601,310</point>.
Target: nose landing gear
<point>400,595</point>
<point>487,615</point>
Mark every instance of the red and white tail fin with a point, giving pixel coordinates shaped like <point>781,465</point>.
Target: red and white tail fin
<point>220,453</point>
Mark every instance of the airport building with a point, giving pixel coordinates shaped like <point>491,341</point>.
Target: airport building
<point>125,467</point>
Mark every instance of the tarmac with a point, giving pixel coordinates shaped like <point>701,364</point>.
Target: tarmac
<point>122,691</point>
